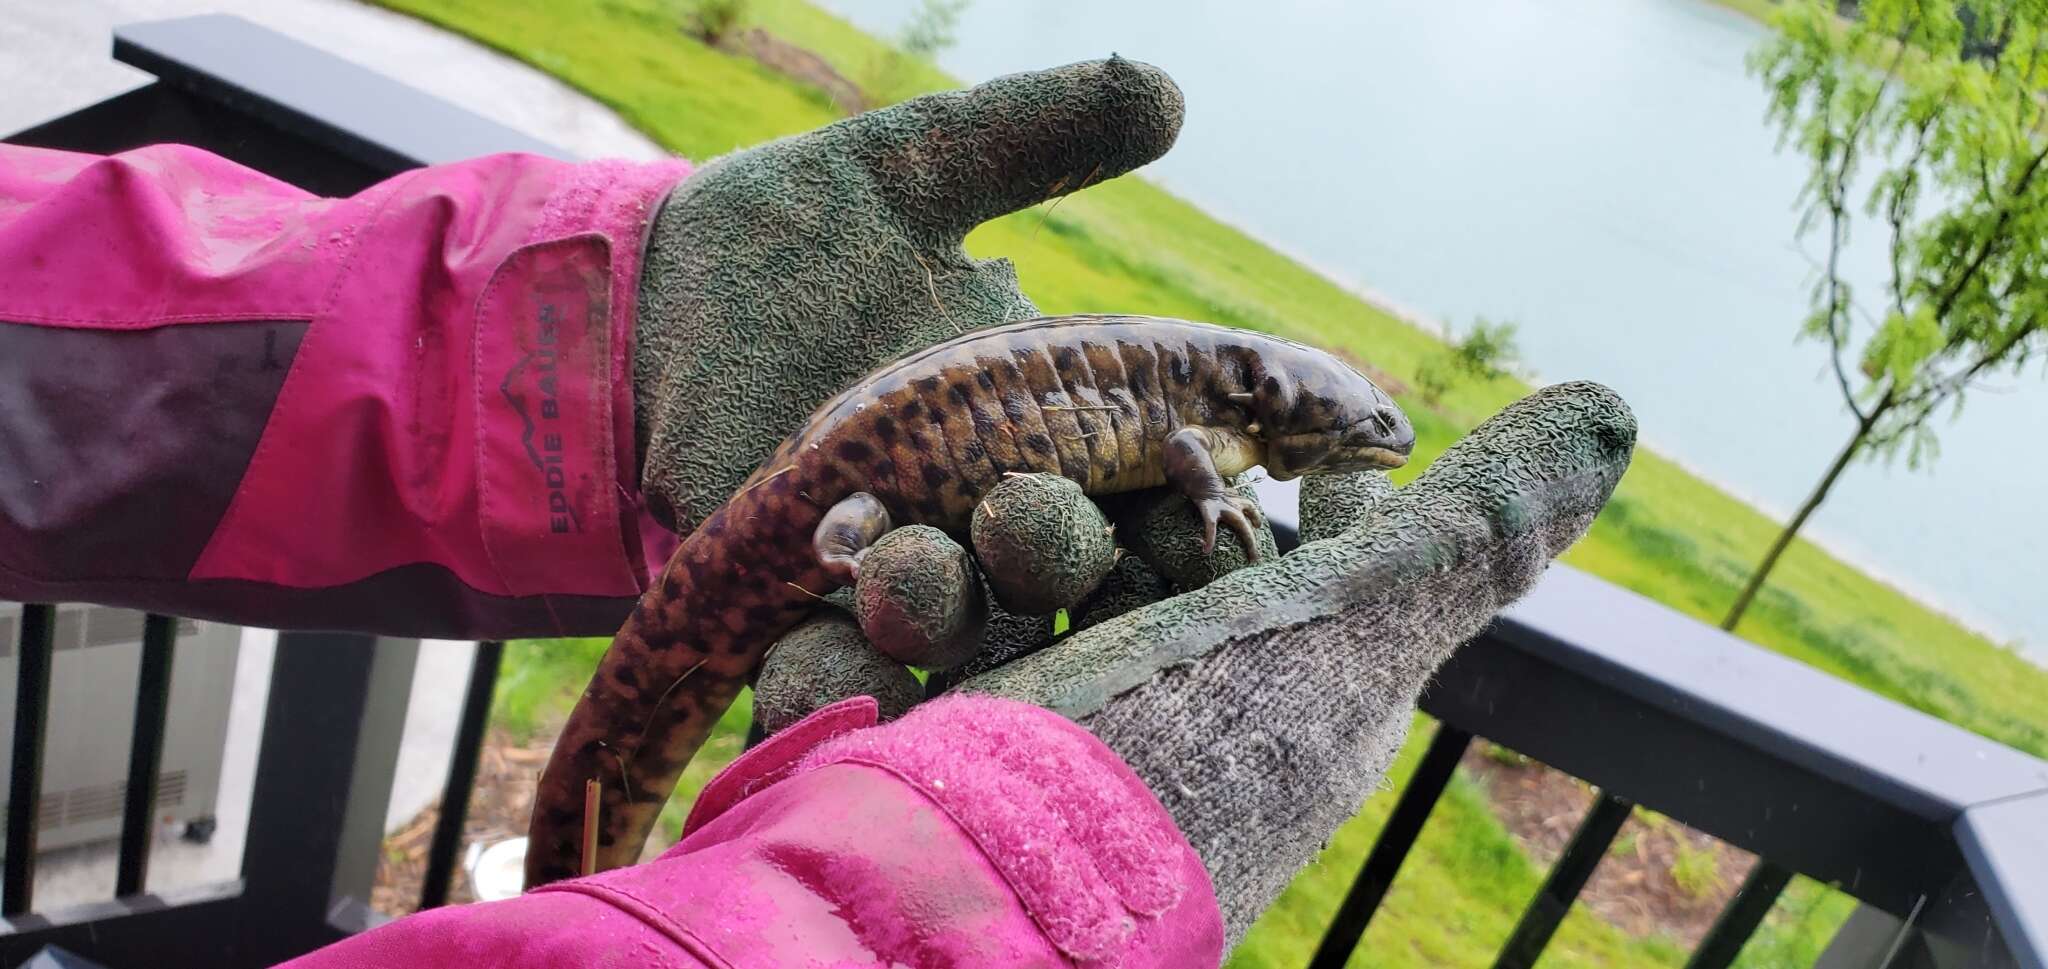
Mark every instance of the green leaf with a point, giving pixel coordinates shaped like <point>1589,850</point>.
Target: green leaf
<point>1901,346</point>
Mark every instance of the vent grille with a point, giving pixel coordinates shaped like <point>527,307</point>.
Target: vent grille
<point>95,803</point>
<point>170,789</point>
<point>100,802</point>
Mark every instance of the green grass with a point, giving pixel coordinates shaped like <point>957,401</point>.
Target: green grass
<point>1129,246</point>
<point>1464,885</point>
<point>541,679</point>
<point>1696,870</point>
<point>1759,10</point>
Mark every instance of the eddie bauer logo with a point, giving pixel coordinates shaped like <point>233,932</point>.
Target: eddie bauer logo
<point>542,435</point>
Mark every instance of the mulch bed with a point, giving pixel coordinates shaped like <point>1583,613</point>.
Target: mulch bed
<point>1633,888</point>
<point>799,64</point>
<point>507,773</point>
<point>498,809</point>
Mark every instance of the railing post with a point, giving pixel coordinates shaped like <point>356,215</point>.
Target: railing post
<point>1391,848</point>
<point>1873,938</point>
<point>323,784</point>
<point>1588,845</point>
<point>469,741</point>
<point>146,752</point>
<point>25,785</point>
<point>1738,921</point>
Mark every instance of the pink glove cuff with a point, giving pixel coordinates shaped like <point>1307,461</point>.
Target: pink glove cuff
<point>1086,848</point>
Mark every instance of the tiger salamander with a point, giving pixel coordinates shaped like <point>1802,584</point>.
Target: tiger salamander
<point>1115,403</point>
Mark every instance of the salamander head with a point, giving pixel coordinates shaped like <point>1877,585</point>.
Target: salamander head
<point>1382,439</point>
<point>1335,420</point>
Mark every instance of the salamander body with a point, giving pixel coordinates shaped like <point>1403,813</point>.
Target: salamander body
<point>1115,403</point>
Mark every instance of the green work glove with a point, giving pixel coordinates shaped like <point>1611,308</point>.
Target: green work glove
<point>1261,707</point>
<point>1264,706</point>
<point>777,276</point>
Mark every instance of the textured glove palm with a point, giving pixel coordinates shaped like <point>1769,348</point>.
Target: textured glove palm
<point>1262,707</point>
<point>776,276</point>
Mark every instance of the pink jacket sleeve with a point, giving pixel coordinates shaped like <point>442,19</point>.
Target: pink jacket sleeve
<point>974,833</point>
<point>408,411</point>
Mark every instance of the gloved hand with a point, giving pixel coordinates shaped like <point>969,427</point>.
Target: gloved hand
<point>776,276</point>
<point>806,263</point>
<point>1263,707</point>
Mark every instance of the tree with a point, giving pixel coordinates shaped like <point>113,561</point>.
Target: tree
<point>929,33</point>
<point>1943,99</point>
<point>1485,352</point>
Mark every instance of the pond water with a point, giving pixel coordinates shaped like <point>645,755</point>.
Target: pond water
<point>1597,171</point>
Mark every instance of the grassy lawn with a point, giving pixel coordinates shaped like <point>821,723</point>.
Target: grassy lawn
<point>1129,246</point>
<point>1463,887</point>
<point>1759,9</point>
<point>540,680</point>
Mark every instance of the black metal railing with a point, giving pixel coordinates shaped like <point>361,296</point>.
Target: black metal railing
<point>469,743</point>
<point>31,718</point>
<point>24,785</point>
<point>1941,835</point>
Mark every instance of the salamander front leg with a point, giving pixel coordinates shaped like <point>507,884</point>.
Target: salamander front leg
<point>1192,455</point>
<point>844,536</point>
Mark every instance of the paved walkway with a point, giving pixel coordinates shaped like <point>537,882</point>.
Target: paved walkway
<point>54,58</point>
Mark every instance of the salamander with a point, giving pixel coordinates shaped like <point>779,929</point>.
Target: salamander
<point>1115,403</point>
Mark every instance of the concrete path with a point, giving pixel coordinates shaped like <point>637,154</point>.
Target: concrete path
<point>54,58</point>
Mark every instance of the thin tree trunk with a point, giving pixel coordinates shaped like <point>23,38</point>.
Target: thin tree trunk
<point>1806,510</point>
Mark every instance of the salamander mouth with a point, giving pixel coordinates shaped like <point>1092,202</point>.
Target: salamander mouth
<point>1385,457</point>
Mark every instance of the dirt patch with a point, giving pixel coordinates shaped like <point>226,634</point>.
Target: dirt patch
<point>507,773</point>
<point>796,63</point>
<point>1394,386</point>
<point>1659,878</point>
